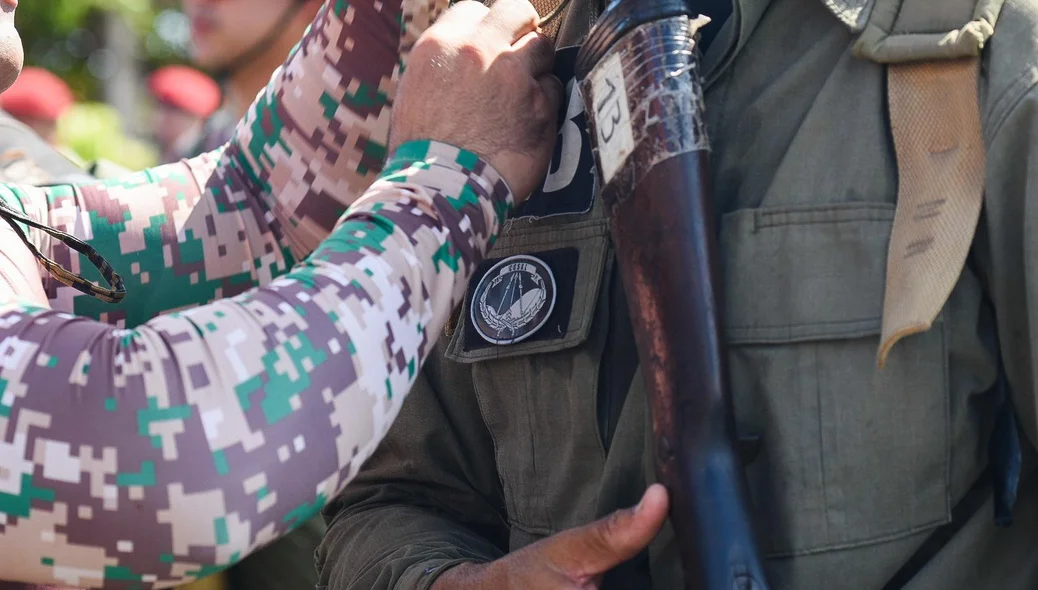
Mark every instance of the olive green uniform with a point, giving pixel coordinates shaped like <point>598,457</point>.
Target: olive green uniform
<point>502,445</point>
<point>26,158</point>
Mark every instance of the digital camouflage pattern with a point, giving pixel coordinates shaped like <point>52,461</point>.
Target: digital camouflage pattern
<point>145,450</point>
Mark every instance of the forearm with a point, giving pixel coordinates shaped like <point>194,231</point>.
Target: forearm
<point>311,143</point>
<point>227,425</point>
<point>19,280</point>
<point>399,547</point>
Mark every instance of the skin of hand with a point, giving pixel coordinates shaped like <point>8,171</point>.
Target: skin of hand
<point>11,55</point>
<point>19,272</point>
<point>573,559</point>
<point>480,79</point>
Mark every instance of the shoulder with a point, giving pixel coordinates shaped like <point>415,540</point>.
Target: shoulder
<point>26,159</point>
<point>1010,63</point>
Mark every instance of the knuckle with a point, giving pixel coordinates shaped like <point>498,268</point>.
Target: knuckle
<point>472,55</point>
<point>611,530</point>
<point>547,101</point>
<point>542,47</point>
<point>432,43</point>
<point>472,6</point>
<point>520,7</point>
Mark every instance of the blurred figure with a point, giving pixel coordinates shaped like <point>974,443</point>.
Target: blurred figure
<point>38,99</point>
<point>241,42</point>
<point>29,112</point>
<point>186,99</point>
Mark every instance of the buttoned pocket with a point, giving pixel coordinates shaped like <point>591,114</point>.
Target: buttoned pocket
<point>538,395</point>
<point>851,454</point>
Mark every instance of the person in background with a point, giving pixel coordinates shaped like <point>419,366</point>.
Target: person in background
<point>185,99</point>
<point>240,42</point>
<point>38,99</point>
<point>30,149</point>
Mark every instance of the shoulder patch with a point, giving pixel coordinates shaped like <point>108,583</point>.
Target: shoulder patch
<point>513,300</point>
<point>522,297</point>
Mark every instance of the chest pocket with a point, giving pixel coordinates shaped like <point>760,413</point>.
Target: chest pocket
<point>538,395</point>
<point>533,329</point>
<point>852,455</point>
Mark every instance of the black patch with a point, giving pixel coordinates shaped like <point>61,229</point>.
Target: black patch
<point>562,264</point>
<point>513,300</point>
<point>570,185</point>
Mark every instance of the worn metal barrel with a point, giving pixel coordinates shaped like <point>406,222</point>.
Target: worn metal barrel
<point>640,82</point>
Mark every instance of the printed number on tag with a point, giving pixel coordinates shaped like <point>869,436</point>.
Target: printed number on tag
<point>612,116</point>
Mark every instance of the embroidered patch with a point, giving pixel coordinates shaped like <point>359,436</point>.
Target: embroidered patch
<point>513,300</point>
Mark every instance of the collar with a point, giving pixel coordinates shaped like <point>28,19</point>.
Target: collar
<point>893,31</point>
<point>853,13</point>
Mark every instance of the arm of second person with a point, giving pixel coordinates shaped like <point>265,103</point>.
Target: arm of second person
<point>142,458</point>
<point>215,226</point>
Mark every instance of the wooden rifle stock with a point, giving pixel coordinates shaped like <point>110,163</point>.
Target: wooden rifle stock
<point>644,106</point>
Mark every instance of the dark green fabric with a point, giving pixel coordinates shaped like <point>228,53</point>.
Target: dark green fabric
<point>285,565</point>
<point>858,466</point>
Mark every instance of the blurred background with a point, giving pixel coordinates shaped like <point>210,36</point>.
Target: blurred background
<point>104,50</point>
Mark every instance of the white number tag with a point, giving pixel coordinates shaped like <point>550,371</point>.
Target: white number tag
<point>612,116</point>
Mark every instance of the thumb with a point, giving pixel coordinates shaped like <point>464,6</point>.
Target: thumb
<point>598,547</point>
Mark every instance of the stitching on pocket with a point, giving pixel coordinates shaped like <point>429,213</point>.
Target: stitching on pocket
<point>594,228</point>
<point>864,543</point>
<point>804,332</point>
<point>531,530</point>
<point>794,216</point>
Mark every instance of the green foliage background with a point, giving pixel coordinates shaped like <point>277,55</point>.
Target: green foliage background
<point>62,36</point>
<point>67,38</point>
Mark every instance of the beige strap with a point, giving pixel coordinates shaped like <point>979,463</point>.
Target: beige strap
<point>935,121</point>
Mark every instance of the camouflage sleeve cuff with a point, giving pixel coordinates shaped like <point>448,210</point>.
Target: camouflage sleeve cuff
<point>460,178</point>
<point>435,155</point>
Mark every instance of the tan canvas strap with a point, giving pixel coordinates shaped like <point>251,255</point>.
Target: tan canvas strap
<point>935,121</point>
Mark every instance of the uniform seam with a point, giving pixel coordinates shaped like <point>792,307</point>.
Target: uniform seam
<point>476,391</point>
<point>862,543</point>
<point>1008,102</point>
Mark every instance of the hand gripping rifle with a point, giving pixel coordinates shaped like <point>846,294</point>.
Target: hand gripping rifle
<point>642,94</point>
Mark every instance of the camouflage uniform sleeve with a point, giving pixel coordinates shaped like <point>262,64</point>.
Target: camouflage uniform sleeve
<point>215,226</point>
<point>144,458</point>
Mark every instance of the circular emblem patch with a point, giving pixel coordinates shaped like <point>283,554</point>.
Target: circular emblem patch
<point>513,300</point>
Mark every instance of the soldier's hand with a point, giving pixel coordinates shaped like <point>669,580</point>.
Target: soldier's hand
<point>480,79</point>
<point>577,558</point>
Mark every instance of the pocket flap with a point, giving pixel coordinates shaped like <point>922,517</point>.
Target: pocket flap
<point>799,274</point>
<point>554,268</point>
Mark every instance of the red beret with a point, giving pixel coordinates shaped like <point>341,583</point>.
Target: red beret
<point>37,94</point>
<point>186,89</point>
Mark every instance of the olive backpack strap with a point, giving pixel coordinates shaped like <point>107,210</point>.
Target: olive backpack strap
<point>935,123</point>
<point>932,52</point>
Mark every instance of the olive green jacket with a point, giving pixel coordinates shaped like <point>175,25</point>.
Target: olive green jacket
<point>500,446</point>
<point>25,157</point>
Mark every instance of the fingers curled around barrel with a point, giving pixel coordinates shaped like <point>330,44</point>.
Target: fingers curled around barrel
<point>511,20</point>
